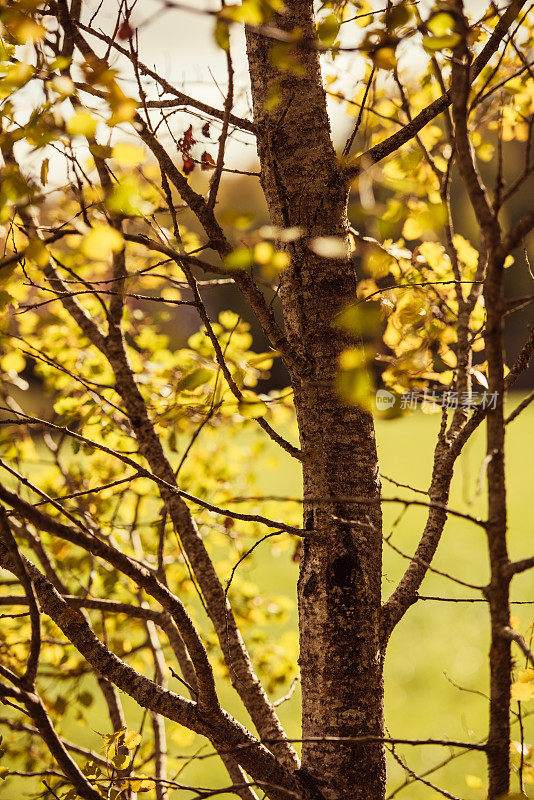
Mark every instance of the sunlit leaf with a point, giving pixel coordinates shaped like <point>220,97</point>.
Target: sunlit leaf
<point>132,739</point>
<point>251,406</point>
<point>101,242</point>
<point>127,154</point>
<point>440,24</point>
<point>522,691</point>
<point>242,258</point>
<point>82,123</point>
<point>435,43</point>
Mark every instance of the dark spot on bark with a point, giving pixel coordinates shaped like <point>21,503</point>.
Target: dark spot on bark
<point>342,570</point>
<point>310,587</point>
<point>308,521</point>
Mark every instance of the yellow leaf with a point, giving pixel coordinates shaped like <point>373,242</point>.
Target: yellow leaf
<point>13,361</point>
<point>251,406</point>
<point>263,252</point>
<point>384,58</point>
<point>142,784</point>
<point>29,31</point>
<point>180,735</point>
<point>82,123</point>
<point>485,151</point>
<point>434,43</point>
<point>101,242</point>
<point>132,739</point>
<point>63,85</point>
<point>280,260</point>
<point>128,155</point>
<point>441,23</point>
<point>466,252</point>
<point>123,109</point>
<point>37,252</point>
<point>522,691</point>
<point>411,229</point>
<point>17,75</point>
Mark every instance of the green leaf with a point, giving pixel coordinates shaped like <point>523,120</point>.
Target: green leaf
<point>125,198</point>
<point>434,43</point>
<point>251,406</point>
<point>441,24</point>
<point>67,406</point>
<point>196,378</point>
<point>121,760</point>
<point>355,386</point>
<point>328,29</point>
<point>5,299</point>
<point>222,34</point>
<point>242,258</point>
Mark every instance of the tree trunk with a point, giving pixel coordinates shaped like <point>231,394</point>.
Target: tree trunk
<point>340,569</point>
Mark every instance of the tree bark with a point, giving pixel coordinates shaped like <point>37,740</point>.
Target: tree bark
<point>340,569</point>
<point>498,590</point>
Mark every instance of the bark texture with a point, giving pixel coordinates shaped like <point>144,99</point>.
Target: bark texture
<point>339,584</point>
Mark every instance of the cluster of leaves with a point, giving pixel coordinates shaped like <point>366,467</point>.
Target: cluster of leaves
<point>413,255</point>
<point>50,370</point>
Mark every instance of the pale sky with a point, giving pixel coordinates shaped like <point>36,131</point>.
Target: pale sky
<point>179,45</point>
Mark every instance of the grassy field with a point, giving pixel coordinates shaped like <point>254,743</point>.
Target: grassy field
<point>439,646</point>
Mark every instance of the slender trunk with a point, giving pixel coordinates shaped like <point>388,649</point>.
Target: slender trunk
<point>339,584</point>
<point>499,587</point>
